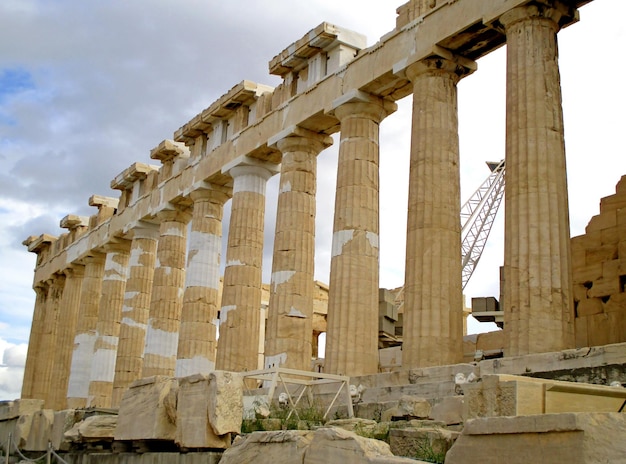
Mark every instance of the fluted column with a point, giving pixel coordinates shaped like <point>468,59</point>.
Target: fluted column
<point>108,325</point>
<point>68,318</point>
<point>41,290</point>
<point>48,338</point>
<point>538,301</point>
<point>237,349</point>
<point>433,297</point>
<point>352,337</point>
<point>85,339</point>
<point>166,301</point>
<point>197,342</point>
<point>135,309</point>
<point>290,320</point>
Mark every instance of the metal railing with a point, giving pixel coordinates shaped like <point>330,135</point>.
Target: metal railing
<point>48,455</point>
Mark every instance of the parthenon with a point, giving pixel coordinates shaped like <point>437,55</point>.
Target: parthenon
<point>135,290</point>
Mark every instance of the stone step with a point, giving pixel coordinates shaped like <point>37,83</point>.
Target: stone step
<point>450,409</point>
<point>574,438</point>
<point>430,390</point>
<point>416,375</point>
<point>442,373</point>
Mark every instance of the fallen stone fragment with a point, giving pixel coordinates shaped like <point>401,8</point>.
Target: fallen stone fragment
<point>326,445</point>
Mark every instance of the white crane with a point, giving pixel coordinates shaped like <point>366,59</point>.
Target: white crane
<point>477,216</point>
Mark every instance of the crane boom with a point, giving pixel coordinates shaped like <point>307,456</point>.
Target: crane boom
<point>477,216</point>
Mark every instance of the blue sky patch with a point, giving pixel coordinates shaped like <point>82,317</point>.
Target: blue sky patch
<point>14,81</point>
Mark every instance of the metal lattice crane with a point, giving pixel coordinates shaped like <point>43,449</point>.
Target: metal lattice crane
<point>477,216</point>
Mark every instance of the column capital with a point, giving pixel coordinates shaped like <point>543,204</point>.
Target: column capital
<point>440,61</point>
<point>117,245</point>
<point>74,270</point>
<point>145,229</point>
<point>94,257</point>
<point>212,193</point>
<point>296,138</point>
<point>248,165</point>
<point>173,214</point>
<point>41,287</point>
<point>556,12</point>
<point>357,102</point>
<point>56,280</point>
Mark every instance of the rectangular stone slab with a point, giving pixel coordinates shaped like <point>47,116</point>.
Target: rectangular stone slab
<point>193,428</point>
<point>148,410</point>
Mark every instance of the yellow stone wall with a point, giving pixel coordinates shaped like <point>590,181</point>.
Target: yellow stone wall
<point>599,274</point>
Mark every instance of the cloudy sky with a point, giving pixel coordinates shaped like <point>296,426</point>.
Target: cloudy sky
<point>88,88</point>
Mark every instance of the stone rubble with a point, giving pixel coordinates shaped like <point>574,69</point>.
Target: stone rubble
<point>93,429</point>
<point>148,410</point>
<point>324,445</point>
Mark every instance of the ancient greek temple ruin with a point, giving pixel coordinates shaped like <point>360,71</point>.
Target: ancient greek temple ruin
<point>136,290</point>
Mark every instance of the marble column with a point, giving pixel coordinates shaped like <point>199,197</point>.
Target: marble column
<point>45,353</point>
<point>197,343</point>
<point>352,337</point>
<point>85,339</point>
<point>108,325</point>
<point>433,295</point>
<point>68,318</point>
<point>166,301</point>
<point>290,320</point>
<point>538,298</point>
<point>135,309</point>
<point>237,349</point>
<point>41,290</point>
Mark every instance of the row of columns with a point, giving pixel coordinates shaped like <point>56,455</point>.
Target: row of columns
<point>147,307</point>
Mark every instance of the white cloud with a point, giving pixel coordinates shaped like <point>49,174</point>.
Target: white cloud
<point>15,356</point>
<point>11,369</point>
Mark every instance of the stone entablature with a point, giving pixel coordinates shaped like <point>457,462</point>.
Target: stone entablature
<point>107,207</point>
<point>321,52</point>
<point>242,106</point>
<point>40,245</point>
<point>134,182</point>
<point>74,222</point>
<point>373,71</point>
<point>415,9</point>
